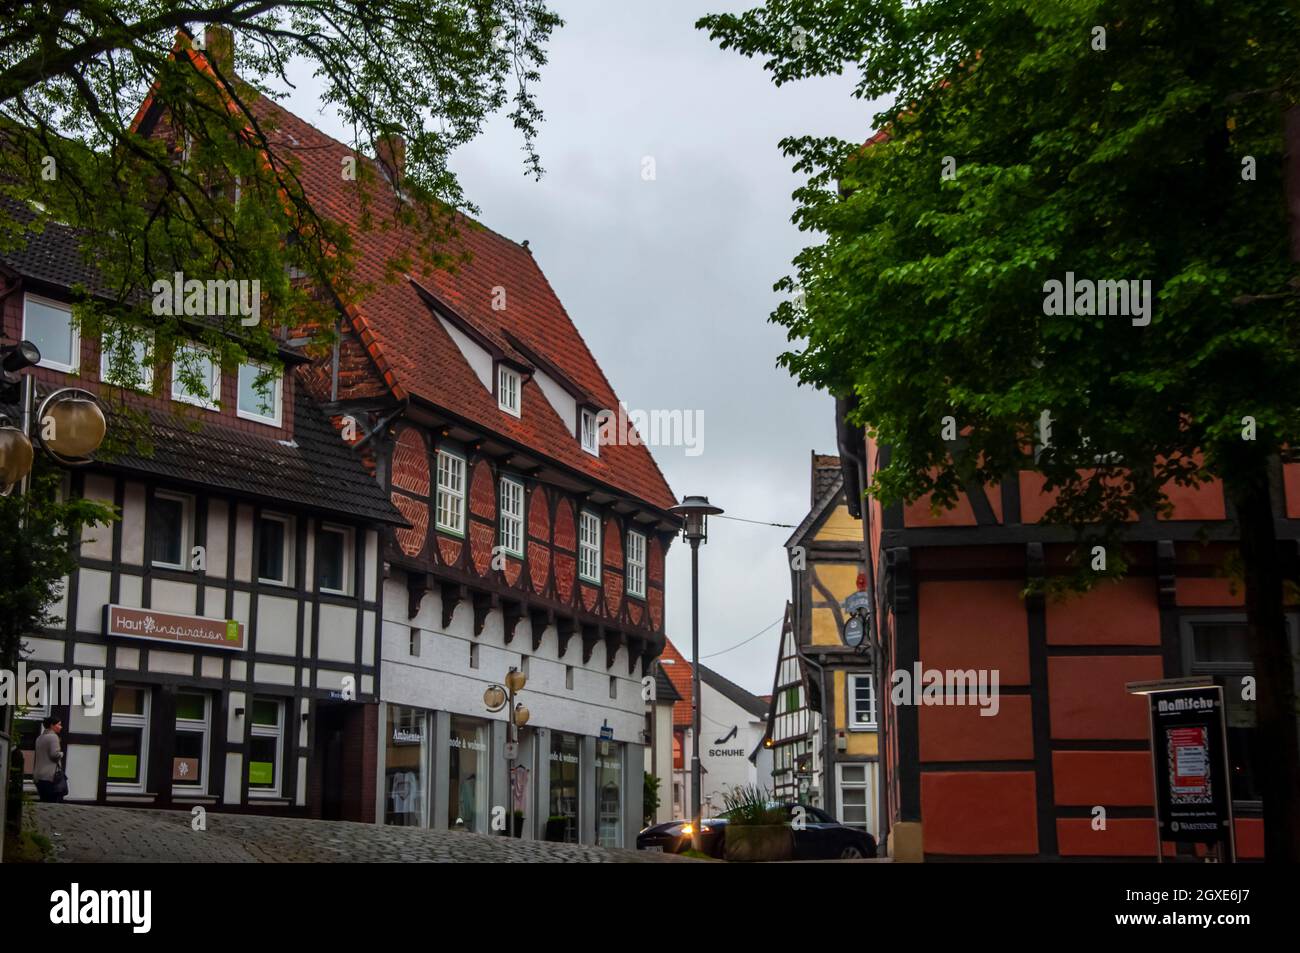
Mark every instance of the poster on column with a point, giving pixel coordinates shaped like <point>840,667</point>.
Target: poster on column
<point>1193,799</point>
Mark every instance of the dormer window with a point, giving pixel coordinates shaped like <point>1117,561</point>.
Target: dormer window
<point>509,387</point>
<point>588,430</point>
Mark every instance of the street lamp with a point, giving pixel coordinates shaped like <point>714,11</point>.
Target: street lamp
<point>69,424</point>
<point>695,512</point>
<point>495,698</point>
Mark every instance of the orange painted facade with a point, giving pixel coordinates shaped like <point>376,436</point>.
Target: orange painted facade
<point>1063,769</point>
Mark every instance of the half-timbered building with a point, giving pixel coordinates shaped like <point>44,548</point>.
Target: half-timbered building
<point>535,540</point>
<point>233,612</point>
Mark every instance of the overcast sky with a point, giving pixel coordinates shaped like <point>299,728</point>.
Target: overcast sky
<point>669,281</point>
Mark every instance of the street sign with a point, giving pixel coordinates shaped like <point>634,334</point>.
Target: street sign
<point>606,733</point>
<point>512,751</point>
<point>853,630</point>
<point>856,601</point>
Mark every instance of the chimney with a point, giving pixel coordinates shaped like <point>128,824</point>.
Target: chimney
<point>390,150</point>
<point>219,44</point>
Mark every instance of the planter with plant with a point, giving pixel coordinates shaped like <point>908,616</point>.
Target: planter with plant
<point>757,828</point>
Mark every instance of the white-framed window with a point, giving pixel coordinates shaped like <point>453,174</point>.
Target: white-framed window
<point>171,530</point>
<point>589,546</point>
<point>635,564</point>
<point>589,431</point>
<point>275,546</point>
<point>451,493</point>
<point>509,389</point>
<point>857,807</point>
<point>190,750</point>
<point>862,701</point>
<point>265,747</point>
<point>512,517</point>
<point>334,560</point>
<point>128,739</point>
<point>124,355</point>
<point>48,324</point>
<point>260,394</point>
<point>199,363</point>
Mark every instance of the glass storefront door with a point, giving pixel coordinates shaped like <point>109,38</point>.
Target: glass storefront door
<point>468,769</point>
<point>609,794</point>
<point>562,821</point>
<point>407,757</point>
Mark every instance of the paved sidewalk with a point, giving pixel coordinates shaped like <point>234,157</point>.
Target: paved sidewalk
<point>91,834</point>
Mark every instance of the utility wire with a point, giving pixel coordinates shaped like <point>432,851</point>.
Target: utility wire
<point>739,644</point>
<point>738,519</point>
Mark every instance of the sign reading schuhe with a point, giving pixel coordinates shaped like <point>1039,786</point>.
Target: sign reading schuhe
<point>1193,799</point>
<point>170,627</point>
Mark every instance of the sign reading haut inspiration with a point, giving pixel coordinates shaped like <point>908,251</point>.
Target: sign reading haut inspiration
<point>171,627</point>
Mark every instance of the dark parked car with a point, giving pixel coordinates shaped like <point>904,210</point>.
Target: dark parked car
<point>674,837</point>
<point>819,837</point>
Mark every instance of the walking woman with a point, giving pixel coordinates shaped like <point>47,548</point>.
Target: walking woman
<point>51,783</point>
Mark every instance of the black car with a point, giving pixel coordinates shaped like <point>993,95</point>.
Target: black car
<point>817,837</point>
<point>674,837</point>
<point>821,837</point>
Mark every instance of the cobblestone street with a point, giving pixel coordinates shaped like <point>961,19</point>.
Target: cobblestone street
<point>88,834</point>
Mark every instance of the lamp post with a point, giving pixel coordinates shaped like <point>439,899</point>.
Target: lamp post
<point>69,426</point>
<point>695,512</point>
<point>496,697</point>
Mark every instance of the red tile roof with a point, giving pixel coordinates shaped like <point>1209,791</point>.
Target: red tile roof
<point>415,352</point>
<point>681,674</point>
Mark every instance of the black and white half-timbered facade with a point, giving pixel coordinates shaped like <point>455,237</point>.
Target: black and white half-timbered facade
<point>233,610</point>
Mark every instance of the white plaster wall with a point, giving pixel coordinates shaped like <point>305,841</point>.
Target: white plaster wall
<point>441,677</point>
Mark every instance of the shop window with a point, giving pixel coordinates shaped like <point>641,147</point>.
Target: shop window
<point>48,324</point>
<point>562,819</point>
<point>128,739</point>
<point>190,753</point>
<point>862,702</point>
<point>171,529</point>
<point>266,747</point>
<point>28,725</point>
<point>334,560</point>
<point>405,767</point>
<point>467,807</point>
<point>609,794</point>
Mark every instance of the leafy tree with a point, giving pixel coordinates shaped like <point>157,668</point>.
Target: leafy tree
<point>39,537</point>
<point>211,198</point>
<point>1137,140</point>
<point>649,799</point>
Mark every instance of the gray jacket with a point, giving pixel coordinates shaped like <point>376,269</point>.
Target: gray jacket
<point>49,756</point>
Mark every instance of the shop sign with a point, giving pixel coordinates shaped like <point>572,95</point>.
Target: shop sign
<point>1190,755</point>
<point>126,622</point>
